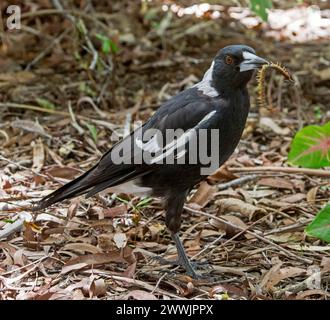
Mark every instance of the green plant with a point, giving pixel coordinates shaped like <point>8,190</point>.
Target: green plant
<point>259,7</point>
<point>44,103</point>
<point>310,147</point>
<point>93,131</point>
<point>108,46</point>
<point>320,226</point>
<point>143,203</point>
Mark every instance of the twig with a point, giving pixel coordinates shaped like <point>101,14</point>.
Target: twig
<point>55,112</point>
<point>287,252</point>
<point>134,282</point>
<point>44,52</point>
<point>237,182</point>
<point>231,239</point>
<point>87,16</point>
<point>82,28</point>
<point>158,283</point>
<point>309,172</point>
<point>291,227</point>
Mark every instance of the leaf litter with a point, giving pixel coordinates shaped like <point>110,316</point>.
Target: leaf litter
<point>58,117</point>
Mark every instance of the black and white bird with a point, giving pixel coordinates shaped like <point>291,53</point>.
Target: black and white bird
<point>143,164</point>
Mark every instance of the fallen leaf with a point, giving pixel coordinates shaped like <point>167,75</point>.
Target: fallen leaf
<point>30,126</point>
<point>325,264</point>
<point>276,275</point>
<point>269,123</point>
<point>229,230</point>
<point>117,211</point>
<point>120,239</point>
<point>312,292</point>
<point>63,172</point>
<point>38,155</point>
<point>81,247</point>
<point>279,183</point>
<point>311,195</point>
<point>140,295</point>
<point>295,198</point>
<point>236,205</point>
<point>222,174</point>
<point>94,287</point>
<point>203,195</point>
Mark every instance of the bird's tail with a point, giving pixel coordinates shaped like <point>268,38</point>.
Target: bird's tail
<point>74,188</point>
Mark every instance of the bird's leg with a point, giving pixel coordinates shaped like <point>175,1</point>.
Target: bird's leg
<point>183,258</point>
<point>174,206</point>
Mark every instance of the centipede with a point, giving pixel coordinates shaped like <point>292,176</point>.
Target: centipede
<point>261,79</point>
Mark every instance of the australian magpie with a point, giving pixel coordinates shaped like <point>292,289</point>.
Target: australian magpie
<point>166,156</point>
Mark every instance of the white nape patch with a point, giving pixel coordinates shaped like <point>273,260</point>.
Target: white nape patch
<point>131,187</point>
<point>181,141</point>
<point>248,55</point>
<point>206,84</point>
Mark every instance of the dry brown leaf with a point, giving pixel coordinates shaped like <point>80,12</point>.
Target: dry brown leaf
<point>222,174</point>
<point>236,205</point>
<point>117,211</point>
<point>81,248</point>
<point>278,275</point>
<point>94,287</point>
<point>311,195</point>
<point>295,198</point>
<point>105,242</point>
<point>286,237</point>
<point>124,256</point>
<point>30,126</point>
<point>269,123</point>
<point>203,194</point>
<point>140,295</point>
<point>325,264</point>
<point>279,183</point>
<point>72,210</point>
<point>229,230</point>
<point>312,292</point>
<point>38,155</point>
<point>63,172</point>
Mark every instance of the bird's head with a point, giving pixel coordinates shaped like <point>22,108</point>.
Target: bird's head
<point>233,67</point>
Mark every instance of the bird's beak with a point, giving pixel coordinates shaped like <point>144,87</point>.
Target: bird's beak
<point>251,61</point>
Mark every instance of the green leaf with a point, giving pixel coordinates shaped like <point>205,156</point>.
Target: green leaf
<point>107,44</point>
<point>8,221</point>
<point>320,226</point>
<point>259,8</point>
<point>92,129</point>
<point>144,203</point>
<point>310,147</point>
<point>45,104</point>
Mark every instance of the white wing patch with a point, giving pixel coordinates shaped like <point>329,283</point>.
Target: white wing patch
<point>181,141</point>
<point>206,84</point>
<point>149,146</point>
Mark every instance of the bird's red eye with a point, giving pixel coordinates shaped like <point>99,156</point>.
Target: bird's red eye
<point>229,60</point>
